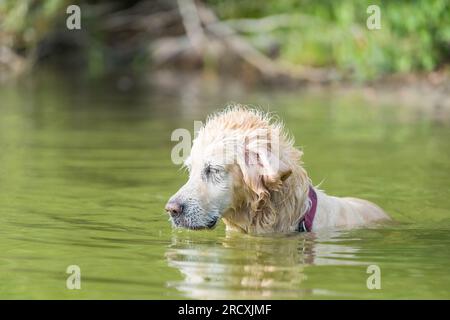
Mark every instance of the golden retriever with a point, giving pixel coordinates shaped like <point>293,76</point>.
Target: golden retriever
<point>244,168</point>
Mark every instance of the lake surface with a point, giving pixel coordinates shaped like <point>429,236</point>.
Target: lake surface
<point>85,172</point>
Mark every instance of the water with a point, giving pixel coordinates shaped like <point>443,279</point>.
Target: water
<point>86,170</point>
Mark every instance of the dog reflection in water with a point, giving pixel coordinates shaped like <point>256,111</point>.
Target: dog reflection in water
<point>244,267</point>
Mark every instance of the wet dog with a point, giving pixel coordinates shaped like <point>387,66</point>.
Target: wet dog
<point>244,168</point>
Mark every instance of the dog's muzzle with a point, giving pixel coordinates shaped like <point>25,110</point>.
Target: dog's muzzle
<point>181,217</point>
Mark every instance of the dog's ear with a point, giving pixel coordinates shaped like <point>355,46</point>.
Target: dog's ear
<point>264,156</point>
<point>262,175</point>
<point>265,166</point>
<point>273,170</point>
<point>263,171</point>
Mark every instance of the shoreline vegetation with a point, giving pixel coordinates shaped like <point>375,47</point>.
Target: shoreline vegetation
<point>280,44</point>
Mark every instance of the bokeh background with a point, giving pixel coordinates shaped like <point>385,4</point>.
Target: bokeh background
<point>215,35</point>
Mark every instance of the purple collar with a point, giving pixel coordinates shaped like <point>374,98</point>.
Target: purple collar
<point>306,222</point>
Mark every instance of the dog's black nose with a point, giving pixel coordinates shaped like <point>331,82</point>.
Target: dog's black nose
<point>174,207</point>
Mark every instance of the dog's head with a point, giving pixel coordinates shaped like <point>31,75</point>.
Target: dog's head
<point>237,162</point>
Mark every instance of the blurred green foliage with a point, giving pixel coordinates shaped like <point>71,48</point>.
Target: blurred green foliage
<point>414,35</point>
<point>26,21</point>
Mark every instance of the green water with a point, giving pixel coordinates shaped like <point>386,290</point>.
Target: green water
<point>85,172</point>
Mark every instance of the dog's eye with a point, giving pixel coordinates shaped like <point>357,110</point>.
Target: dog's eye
<point>211,172</point>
